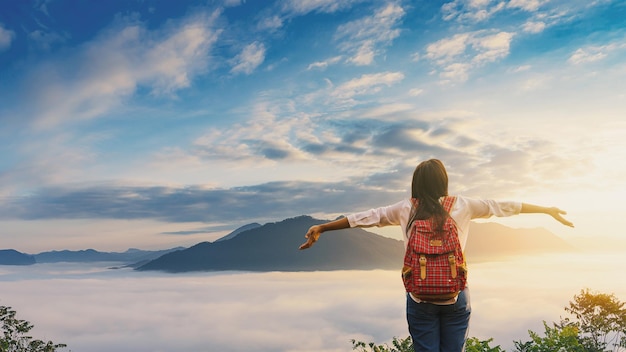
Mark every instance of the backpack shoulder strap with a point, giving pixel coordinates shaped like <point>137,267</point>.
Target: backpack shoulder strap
<point>448,202</point>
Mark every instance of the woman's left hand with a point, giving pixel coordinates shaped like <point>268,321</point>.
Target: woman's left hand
<point>556,214</point>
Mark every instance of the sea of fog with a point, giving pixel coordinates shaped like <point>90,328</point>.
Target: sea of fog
<point>92,308</point>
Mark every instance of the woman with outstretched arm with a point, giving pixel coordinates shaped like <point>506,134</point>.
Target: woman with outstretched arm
<point>440,326</point>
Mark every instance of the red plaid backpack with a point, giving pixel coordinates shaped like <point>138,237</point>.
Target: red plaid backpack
<point>434,266</point>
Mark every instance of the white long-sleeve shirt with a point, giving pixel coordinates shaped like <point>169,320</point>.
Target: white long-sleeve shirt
<point>463,211</point>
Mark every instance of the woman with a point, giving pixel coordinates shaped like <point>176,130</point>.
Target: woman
<point>434,326</point>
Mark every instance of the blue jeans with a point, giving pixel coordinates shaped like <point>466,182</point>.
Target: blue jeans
<point>439,328</point>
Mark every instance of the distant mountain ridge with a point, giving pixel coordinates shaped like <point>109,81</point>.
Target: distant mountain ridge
<point>131,256</point>
<point>13,257</point>
<point>490,240</point>
<point>244,228</point>
<point>274,246</point>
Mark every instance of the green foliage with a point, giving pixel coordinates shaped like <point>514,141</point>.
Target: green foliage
<point>14,338</point>
<point>598,322</point>
<point>560,338</point>
<point>475,345</point>
<point>405,345</point>
<point>399,345</point>
<point>600,319</point>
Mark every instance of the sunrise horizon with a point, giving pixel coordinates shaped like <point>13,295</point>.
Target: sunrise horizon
<point>161,124</point>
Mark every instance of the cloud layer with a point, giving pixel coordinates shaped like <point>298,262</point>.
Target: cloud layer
<point>319,311</point>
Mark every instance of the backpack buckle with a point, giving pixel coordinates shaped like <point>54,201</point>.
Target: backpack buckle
<point>452,262</point>
<point>422,261</point>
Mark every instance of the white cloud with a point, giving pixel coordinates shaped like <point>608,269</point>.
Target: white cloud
<point>207,311</point>
<point>97,77</point>
<point>587,55</point>
<point>491,47</point>
<point>302,7</point>
<point>276,130</point>
<point>364,38</point>
<point>527,5</point>
<point>173,61</point>
<point>263,135</point>
<point>471,10</point>
<point>446,49</point>
<point>475,11</point>
<point>6,37</point>
<point>456,72</point>
<point>270,23</point>
<point>322,65</point>
<point>520,68</point>
<point>249,59</point>
<point>543,14</point>
<point>594,53</point>
<point>383,112</point>
<point>533,27</point>
<point>458,55</point>
<point>364,55</point>
<point>416,91</point>
<point>367,84</point>
<point>288,9</point>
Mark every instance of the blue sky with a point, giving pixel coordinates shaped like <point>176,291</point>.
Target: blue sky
<point>157,123</point>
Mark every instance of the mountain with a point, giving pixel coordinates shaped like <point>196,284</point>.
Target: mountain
<point>91,255</point>
<point>489,241</point>
<point>244,228</point>
<point>13,257</point>
<point>274,247</point>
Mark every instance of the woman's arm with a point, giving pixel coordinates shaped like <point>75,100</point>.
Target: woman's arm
<point>552,211</point>
<point>383,216</point>
<point>315,231</point>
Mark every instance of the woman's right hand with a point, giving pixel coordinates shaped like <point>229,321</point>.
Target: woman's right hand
<point>316,230</point>
<point>311,236</point>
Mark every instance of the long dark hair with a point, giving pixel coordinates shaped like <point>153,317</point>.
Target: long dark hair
<point>430,182</point>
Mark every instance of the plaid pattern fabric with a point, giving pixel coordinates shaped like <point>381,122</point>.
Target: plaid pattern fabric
<point>442,273</point>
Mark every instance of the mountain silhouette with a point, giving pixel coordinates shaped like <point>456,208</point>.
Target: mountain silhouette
<point>274,247</point>
<point>251,226</point>
<point>132,255</point>
<point>13,257</point>
<point>490,241</point>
